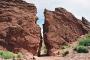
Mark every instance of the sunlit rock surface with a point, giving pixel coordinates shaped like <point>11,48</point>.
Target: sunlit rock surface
<point>62,27</point>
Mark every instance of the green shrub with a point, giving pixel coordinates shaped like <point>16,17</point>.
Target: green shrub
<point>10,55</point>
<point>81,49</point>
<point>6,54</point>
<point>1,52</point>
<point>85,42</point>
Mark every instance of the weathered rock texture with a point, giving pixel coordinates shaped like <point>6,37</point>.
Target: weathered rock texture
<point>62,27</point>
<point>18,28</point>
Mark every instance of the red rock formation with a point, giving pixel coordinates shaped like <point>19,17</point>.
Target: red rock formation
<point>61,27</point>
<point>18,28</point>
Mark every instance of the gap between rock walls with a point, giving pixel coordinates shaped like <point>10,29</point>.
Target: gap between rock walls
<point>60,29</point>
<point>42,50</point>
<point>19,31</point>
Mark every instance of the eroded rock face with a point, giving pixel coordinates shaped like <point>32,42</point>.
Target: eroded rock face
<point>62,27</point>
<point>18,28</point>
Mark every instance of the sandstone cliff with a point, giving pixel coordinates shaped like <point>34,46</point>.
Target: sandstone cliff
<point>18,28</point>
<point>62,27</point>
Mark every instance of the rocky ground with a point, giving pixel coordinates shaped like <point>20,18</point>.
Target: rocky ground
<point>20,33</point>
<point>72,57</point>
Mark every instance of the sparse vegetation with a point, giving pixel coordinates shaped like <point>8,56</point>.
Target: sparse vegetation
<point>19,55</point>
<point>81,49</point>
<point>64,47</point>
<point>45,50</point>
<point>6,54</point>
<point>85,41</point>
<point>65,53</point>
<point>10,55</point>
<point>64,50</point>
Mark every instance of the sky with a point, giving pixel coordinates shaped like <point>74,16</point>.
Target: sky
<point>78,7</point>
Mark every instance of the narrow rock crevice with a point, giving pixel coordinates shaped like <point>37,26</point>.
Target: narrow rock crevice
<point>20,32</point>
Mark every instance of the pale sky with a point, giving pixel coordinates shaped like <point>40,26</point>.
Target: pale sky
<point>78,7</point>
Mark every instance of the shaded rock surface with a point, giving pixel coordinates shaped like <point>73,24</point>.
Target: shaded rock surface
<point>18,28</point>
<point>62,27</point>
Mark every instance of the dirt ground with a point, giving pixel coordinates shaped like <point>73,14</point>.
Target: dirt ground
<point>71,56</point>
<point>81,56</point>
